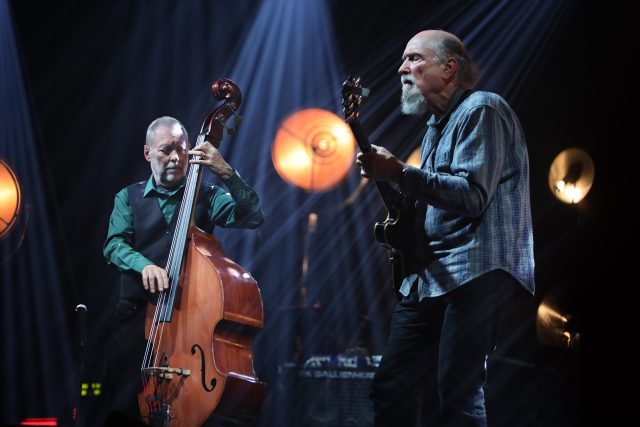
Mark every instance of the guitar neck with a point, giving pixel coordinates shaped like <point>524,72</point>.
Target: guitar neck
<point>390,197</point>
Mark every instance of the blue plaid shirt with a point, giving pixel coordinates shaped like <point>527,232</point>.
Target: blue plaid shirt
<point>475,180</point>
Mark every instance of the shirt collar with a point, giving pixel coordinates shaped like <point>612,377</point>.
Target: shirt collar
<point>153,188</point>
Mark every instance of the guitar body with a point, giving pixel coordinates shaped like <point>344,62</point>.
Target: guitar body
<point>402,235</point>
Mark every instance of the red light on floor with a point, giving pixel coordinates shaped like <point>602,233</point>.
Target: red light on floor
<point>39,422</point>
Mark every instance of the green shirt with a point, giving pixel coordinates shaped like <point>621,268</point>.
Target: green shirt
<point>239,207</point>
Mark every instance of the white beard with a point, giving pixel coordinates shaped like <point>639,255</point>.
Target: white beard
<point>412,101</point>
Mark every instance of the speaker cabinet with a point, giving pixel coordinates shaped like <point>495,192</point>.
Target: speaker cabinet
<point>333,391</point>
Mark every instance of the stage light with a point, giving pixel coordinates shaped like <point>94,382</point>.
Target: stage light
<point>571,175</point>
<point>10,200</point>
<point>414,158</point>
<point>556,323</point>
<point>313,149</point>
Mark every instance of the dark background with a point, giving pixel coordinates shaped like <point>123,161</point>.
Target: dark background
<point>94,74</point>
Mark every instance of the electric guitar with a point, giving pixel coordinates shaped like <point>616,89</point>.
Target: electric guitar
<point>400,233</point>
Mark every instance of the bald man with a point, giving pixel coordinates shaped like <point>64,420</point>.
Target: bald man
<point>473,187</point>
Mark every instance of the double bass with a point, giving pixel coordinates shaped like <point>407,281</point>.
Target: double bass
<point>198,364</point>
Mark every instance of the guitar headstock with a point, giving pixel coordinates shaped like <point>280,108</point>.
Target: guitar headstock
<point>352,95</point>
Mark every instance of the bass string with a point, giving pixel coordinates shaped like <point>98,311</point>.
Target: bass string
<point>162,310</point>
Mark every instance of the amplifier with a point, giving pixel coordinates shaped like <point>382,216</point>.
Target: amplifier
<point>333,391</point>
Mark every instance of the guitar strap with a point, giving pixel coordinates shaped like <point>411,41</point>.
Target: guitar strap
<point>443,122</point>
<point>432,137</point>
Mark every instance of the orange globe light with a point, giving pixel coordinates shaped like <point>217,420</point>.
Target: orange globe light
<point>313,149</point>
<point>9,199</point>
<point>414,158</point>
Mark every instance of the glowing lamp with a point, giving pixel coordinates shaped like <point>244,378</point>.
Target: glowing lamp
<point>557,324</point>
<point>571,175</point>
<point>414,158</point>
<point>313,149</point>
<point>9,199</point>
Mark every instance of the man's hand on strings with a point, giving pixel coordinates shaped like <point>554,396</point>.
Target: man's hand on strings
<point>380,165</point>
<point>155,278</point>
<point>210,156</point>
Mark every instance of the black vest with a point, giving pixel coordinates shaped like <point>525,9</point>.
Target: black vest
<point>152,235</point>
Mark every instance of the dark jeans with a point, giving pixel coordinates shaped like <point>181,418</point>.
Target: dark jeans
<point>126,350</point>
<point>436,354</point>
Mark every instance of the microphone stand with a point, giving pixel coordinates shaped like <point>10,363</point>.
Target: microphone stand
<point>81,311</point>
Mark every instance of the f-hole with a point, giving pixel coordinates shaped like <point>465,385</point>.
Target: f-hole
<point>203,369</point>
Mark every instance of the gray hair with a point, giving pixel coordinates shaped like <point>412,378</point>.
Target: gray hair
<point>163,121</point>
<point>449,46</point>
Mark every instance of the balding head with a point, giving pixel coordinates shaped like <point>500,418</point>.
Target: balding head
<point>444,46</point>
<point>174,124</point>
